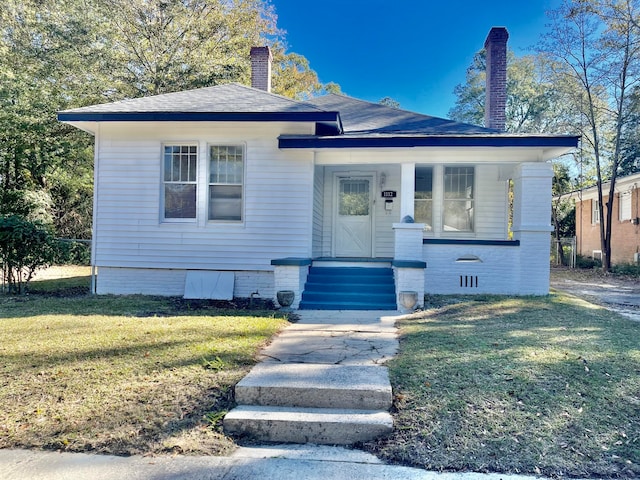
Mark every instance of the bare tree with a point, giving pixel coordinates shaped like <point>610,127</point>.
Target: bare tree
<point>597,46</point>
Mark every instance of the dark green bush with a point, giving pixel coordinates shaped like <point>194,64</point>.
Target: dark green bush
<point>25,246</point>
<point>587,262</point>
<point>73,252</point>
<point>631,269</point>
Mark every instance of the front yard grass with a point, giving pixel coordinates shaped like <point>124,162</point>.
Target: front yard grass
<point>545,385</point>
<point>121,375</point>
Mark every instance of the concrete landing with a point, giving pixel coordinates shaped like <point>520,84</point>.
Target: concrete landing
<point>336,338</point>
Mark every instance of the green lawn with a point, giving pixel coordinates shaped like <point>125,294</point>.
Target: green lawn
<point>123,375</point>
<point>545,385</point>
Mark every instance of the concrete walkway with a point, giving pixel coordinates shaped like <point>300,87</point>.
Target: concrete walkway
<point>322,381</point>
<point>336,338</point>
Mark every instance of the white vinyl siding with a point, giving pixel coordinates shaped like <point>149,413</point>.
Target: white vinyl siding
<point>491,204</point>
<point>318,199</point>
<point>277,199</point>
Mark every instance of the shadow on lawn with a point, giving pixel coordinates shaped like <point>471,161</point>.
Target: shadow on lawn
<point>150,393</point>
<point>532,385</point>
<point>74,302</point>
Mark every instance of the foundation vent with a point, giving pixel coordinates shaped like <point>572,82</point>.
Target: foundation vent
<point>469,281</point>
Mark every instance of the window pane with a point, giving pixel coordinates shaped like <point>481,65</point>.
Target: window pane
<point>423,210</point>
<point>226,164</point>
<point>225,202</point>
<point>179,200</point>
<point>167,166</point>
<point>458,182</point>
<point>193,161</point>
<point>184,168</point>
<point>458,216</point>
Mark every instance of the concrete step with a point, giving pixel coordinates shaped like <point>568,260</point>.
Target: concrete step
<point>329,305</point>
<point>349,297</point>
<point>351,271</point>
<point>361,387</point>
<point>308,425</point>
<point>386,287</point>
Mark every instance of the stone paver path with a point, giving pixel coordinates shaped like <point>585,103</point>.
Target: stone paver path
<point>337,338</point>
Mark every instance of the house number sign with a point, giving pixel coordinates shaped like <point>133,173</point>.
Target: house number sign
<point>389,194</point>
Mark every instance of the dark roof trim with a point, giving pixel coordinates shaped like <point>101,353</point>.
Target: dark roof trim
<point>199,117</point>
<point>427,141</point>
<point>291,262</point>
<point>409,264</point>
<point>457,241</point>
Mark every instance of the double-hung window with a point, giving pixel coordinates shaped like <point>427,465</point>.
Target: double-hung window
<point>458,207</point>
<point>180,177</point>
<point>423,202</point>
<point>625,206</point>
<point>595,211</point>
<point>226,175</point>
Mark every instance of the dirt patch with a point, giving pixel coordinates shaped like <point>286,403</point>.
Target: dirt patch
<point>618,293</point>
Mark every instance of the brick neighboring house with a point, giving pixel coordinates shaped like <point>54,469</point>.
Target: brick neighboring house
<point>625,224</point>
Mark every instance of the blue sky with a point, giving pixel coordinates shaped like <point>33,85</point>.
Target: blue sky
<point>415,51</point>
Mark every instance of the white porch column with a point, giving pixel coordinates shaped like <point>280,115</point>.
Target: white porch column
<point>407,189</point>
<point>290,274</point>
<point>408,263</point>
<point>532,225</point>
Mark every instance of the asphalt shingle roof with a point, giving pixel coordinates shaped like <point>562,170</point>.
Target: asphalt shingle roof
<point>361,117</point>
<point>341,121</point>
<point>227,98</point>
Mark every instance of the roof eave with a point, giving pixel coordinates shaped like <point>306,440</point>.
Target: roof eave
<point>71,116</point>
<point>562,142</point>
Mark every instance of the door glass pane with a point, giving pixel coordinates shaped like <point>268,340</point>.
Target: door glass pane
<point>354,197</point>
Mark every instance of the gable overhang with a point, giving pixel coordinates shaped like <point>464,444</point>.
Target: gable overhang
<point>328,121</point>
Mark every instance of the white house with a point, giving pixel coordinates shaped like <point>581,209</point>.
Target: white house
<point>234,188</point>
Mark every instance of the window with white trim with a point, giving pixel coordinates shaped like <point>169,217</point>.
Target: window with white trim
<point>458,206</point>
<point>423,200</point>
<point>625,206</point>
<point>179,179</point>
<point>595,211</point>
<point>226,179</point>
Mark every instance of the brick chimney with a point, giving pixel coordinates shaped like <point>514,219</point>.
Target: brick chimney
<point>261,68</point>
<point>496,93</point>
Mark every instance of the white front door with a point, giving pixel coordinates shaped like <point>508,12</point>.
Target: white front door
<point>352,237</point>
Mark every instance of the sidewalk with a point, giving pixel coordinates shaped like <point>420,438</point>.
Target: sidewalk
<point>280,462</point>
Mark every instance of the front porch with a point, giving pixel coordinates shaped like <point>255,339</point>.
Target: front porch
<point>357,283</point>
